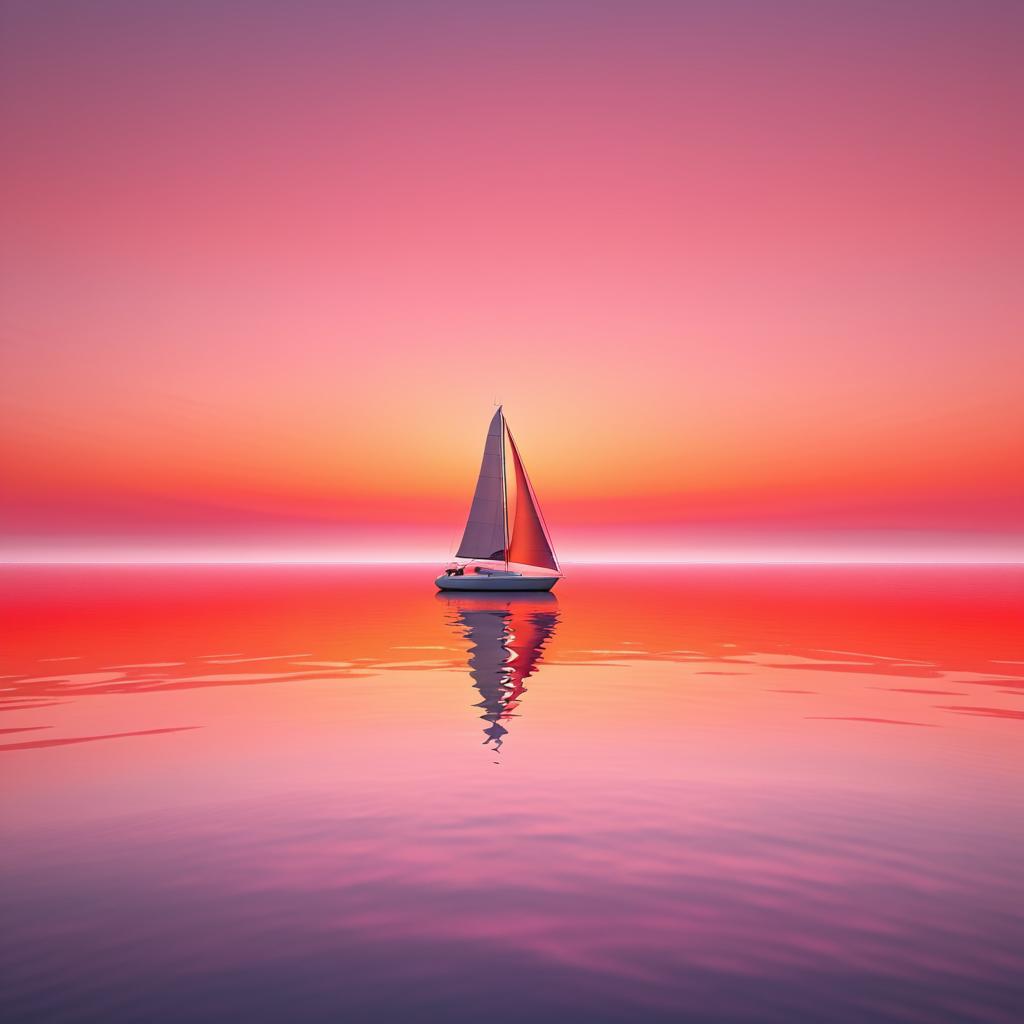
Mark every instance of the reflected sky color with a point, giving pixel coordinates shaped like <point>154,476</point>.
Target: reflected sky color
<point>722,794</point>
<point>743,274</point>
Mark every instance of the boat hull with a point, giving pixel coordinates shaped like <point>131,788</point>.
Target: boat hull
<point>495,583</point>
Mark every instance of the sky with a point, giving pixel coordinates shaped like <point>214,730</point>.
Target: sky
<point>745,276</point>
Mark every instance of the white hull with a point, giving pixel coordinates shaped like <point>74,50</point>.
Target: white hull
<point>479,582</point>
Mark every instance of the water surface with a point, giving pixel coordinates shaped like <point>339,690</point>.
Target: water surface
<point>685,794</point>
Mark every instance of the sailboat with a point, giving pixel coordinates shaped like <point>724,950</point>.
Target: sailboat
<point>526,556</point>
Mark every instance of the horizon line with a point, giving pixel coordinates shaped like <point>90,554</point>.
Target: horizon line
<point>5,563</point>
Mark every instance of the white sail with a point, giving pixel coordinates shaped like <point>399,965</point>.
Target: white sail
<point>487,525</point>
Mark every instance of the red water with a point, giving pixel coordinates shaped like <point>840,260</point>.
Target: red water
<point>323,793</point>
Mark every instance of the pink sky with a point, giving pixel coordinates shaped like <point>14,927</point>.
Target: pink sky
<point>745,276</point>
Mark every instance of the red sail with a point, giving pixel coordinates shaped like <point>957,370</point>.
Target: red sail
<point>530,544</point>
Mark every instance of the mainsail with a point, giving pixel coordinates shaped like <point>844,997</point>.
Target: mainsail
<point>487,533</point>
<point>487,526</point>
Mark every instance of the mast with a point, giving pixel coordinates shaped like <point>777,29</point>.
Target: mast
<point>504,484</point>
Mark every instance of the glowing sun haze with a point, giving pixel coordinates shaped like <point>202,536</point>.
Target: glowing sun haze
<point>745,276</point>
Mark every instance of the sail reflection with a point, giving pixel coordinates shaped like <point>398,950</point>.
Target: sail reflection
<point>507,634</point>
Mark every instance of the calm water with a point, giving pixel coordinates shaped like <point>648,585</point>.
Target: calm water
<point>321,793</point>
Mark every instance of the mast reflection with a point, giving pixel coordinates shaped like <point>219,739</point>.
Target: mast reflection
<point>507,634</point>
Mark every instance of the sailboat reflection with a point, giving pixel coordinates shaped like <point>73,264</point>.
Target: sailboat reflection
<point>507,634</point>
